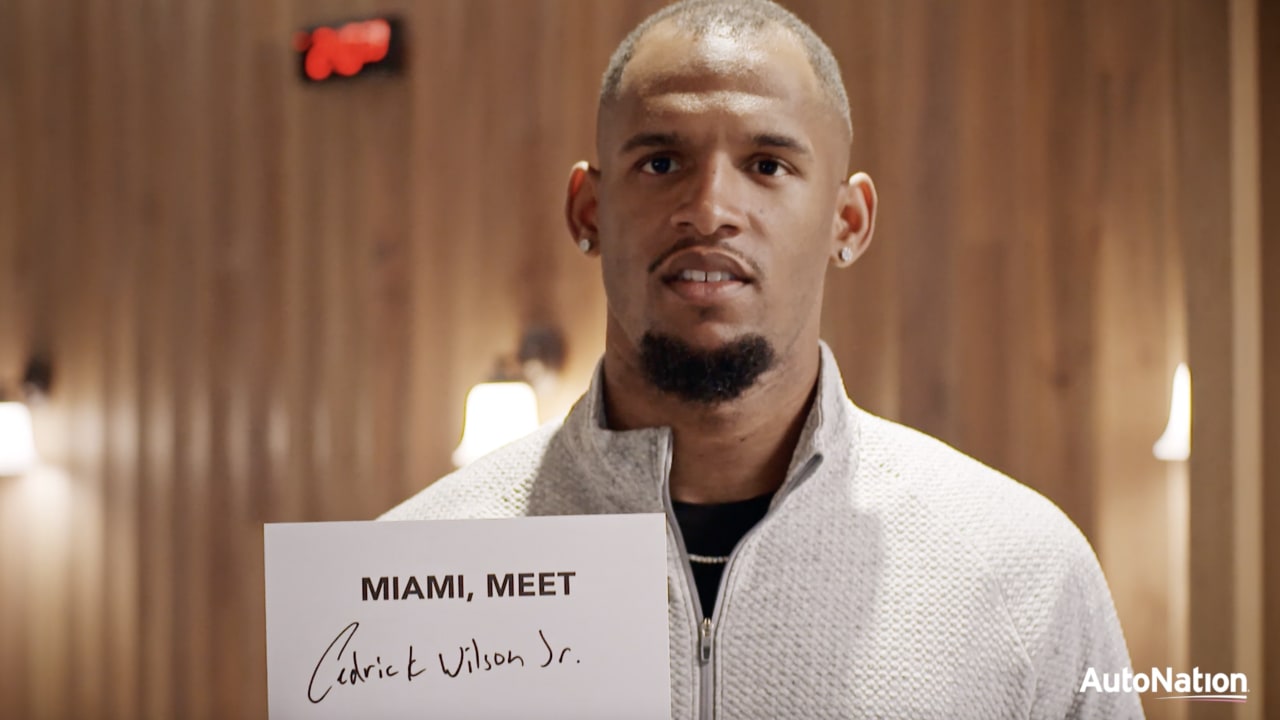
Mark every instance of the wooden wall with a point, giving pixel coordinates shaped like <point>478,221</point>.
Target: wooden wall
<point>265,301</point>
<point>1269,235</point>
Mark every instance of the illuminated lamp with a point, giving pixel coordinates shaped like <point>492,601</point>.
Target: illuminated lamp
<point>17,442</point>
<point>17,439</point>
<point>496,414</point>
<point>1175,443</point>
<point>505,408</point>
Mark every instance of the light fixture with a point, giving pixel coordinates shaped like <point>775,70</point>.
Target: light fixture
<point>17,439</point>
<point>1175,443</point>
<point>17,442</point>
<point>496,414</point>
<point>506,407</point>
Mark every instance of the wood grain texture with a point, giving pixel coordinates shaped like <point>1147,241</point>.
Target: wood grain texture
<point>1205,150</point>
<point>266,301</point>
<point>1268,28</point>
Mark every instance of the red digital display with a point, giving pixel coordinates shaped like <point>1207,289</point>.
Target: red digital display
<point>350,49</point>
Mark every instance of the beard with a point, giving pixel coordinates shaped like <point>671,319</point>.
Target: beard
<point>706,377</point>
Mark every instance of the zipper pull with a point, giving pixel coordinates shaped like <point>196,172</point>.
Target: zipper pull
<point>705,641</point>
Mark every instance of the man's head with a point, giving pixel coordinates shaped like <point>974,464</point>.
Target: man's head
<point>733,19</point>
<point>720,197</point>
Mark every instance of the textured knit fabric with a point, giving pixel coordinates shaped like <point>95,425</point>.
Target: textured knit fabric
<point>893,576</point>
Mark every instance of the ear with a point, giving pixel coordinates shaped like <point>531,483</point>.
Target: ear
<point>580,206</point>
<point>855,219</point>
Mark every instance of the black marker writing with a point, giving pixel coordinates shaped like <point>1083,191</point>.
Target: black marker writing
<point>343,664</point>
<point>551,654</point>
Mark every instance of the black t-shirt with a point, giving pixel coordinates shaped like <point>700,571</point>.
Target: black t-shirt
<point>710,534</point>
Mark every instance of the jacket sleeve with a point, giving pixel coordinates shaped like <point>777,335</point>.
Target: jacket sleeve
<point>1079,638</point>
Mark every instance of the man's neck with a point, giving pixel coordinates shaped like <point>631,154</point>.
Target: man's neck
<point>724,452</point>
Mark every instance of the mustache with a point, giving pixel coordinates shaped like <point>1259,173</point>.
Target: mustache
<point>688,242</point>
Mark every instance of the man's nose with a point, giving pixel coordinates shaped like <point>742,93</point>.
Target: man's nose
<point>712,202</point>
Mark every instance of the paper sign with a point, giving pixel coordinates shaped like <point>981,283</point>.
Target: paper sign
<point>544,617</point>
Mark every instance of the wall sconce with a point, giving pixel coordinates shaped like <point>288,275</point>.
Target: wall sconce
<point>496,414</point>
<point>1175,443</point>
<point>17,442</point>
<point>506,407</point>
<point>17,439</point>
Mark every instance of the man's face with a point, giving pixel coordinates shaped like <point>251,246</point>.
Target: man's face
<point>720,177</point>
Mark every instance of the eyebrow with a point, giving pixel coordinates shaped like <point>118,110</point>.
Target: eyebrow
<point>784,142</point>
<point>650,140</point>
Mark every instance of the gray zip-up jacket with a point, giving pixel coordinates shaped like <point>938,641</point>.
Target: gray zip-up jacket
<point>893,576</point>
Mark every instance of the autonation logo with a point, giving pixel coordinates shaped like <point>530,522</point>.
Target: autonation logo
<point>1195,685</point>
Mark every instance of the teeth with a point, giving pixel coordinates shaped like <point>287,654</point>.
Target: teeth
<point>701,276</point>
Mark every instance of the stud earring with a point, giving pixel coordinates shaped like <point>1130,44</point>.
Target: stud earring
<point>585,245</point>
<point>846,254</point>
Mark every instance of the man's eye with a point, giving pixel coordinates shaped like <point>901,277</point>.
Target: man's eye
<point>770,167</point>
<point>659,166</point>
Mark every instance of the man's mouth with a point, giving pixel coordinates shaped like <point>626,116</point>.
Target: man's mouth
<point>705,276</point>
<point>705,287</point>
<point>701,276</point>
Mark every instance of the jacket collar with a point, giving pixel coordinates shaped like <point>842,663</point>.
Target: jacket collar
<point>622,458</point>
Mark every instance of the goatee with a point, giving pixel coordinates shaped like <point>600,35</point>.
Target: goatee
<point>704,376</point>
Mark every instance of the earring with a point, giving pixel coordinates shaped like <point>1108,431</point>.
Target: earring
<point>846,254</point>
<point>585,245</point>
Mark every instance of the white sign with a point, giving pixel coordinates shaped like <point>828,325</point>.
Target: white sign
<point>545,617</point>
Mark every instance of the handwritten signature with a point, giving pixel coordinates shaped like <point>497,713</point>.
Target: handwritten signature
<point>345,668</point>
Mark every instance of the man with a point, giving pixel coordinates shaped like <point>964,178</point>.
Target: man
<point>822,562</point>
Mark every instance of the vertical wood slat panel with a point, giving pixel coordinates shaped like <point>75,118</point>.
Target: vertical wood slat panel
<point>388,311</point>
<point>198,493</point>
<point>226,345</point>
<point>980,232</point>
<point>484,323</point>
<point>432,241</point>
<point>566,107</point>
<point>861,319</point>
<point>90,335</point>
<point>1204,155</point>
<point>49,598</point>
<point>1268,27</point>
<point>1131,362</point>
<point>111,85</point>
<point>237,287</point>
<point>16,291</point>
<point>1247,370</point>
<point>924,51</point>
<point>277,295</point>
<point>1063,258</point>
<point>156,224</point>
<point>291,422</point>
